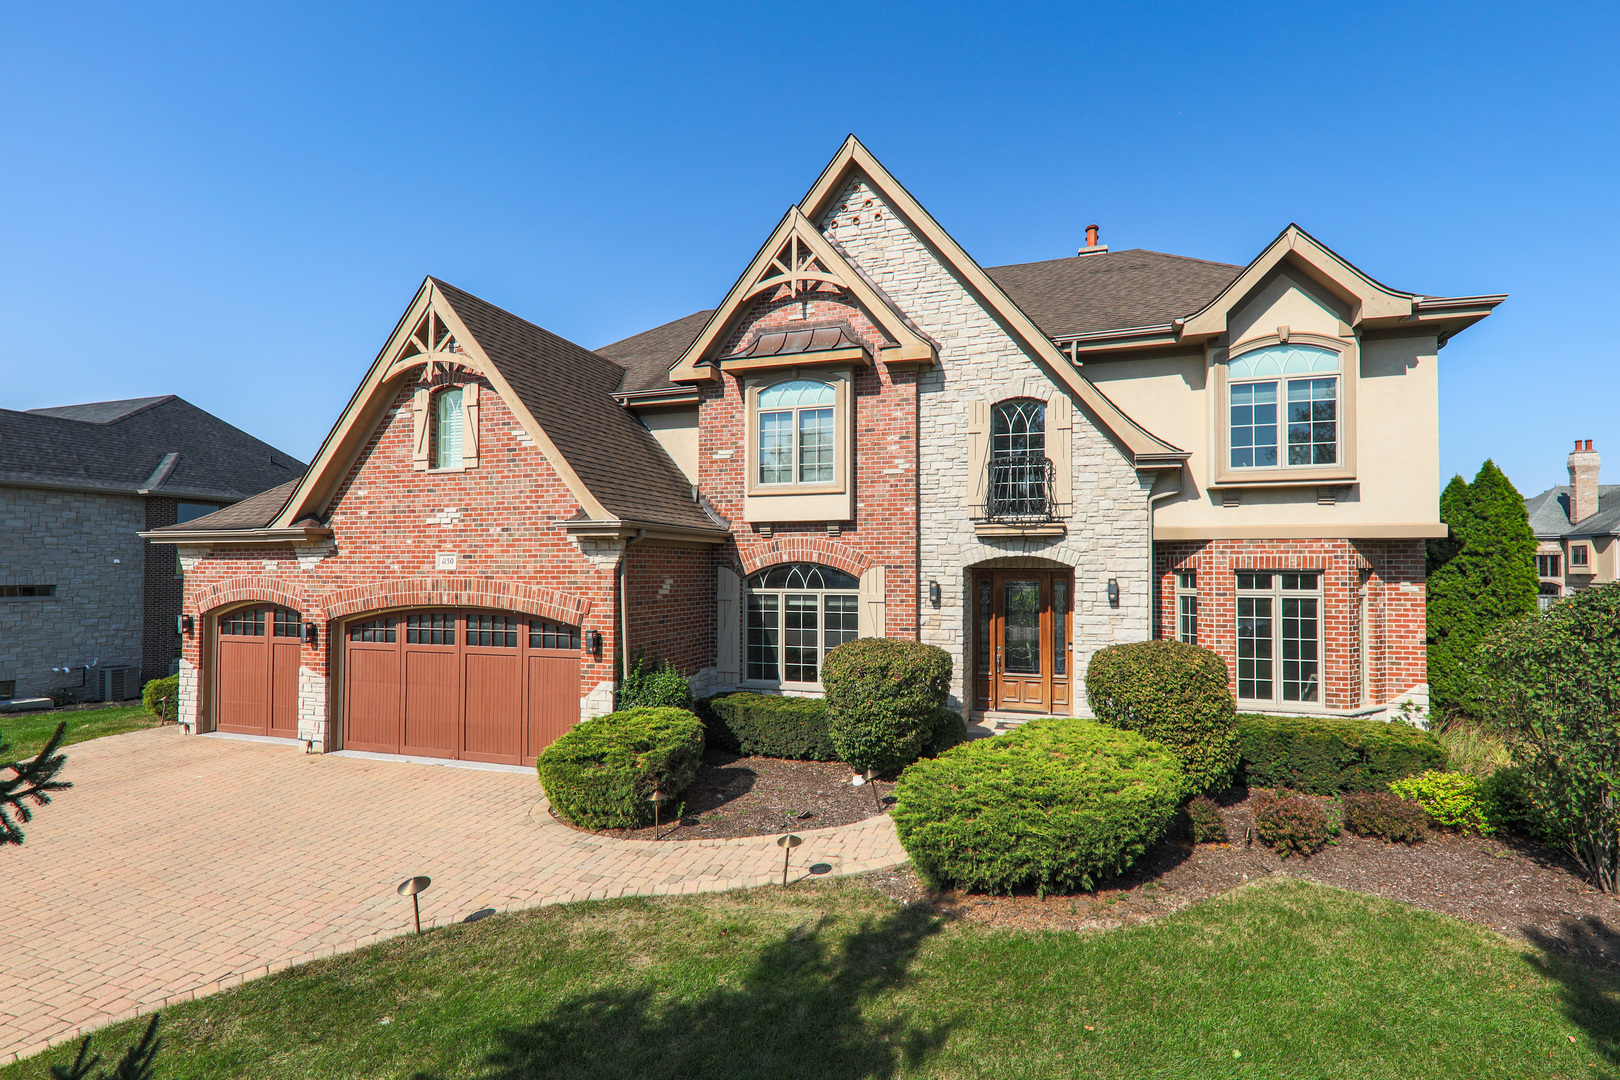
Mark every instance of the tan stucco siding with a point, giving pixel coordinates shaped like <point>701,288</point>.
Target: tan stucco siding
<point>676,430</point>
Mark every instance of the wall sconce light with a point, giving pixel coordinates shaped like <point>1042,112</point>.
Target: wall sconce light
<point>593,642</point>
<point>1113,592</point>
<point>312,634</point>
<point>186,624</point>
<point>933,593</point>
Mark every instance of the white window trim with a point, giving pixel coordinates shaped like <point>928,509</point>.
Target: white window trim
<point>1282,474</point>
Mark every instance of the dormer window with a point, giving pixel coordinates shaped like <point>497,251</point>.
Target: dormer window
<point>1284,407</point>
<point>447,428</point>
<point>797,433</point>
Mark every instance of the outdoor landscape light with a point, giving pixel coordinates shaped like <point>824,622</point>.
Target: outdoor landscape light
<point>933,593</point>
<point>411,887</point>
<point>787,844</point>
<point>1113,592</point>
<point>312,634</point>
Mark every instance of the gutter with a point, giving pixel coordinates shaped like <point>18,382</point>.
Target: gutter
<point>622,529</point>
<point>679,395</point>
<point>111,489</point>
<point>294,535</point>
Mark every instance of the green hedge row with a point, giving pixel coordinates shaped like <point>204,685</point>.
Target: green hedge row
<point>769,725</point>
<point>1327,755</point>
<point>1057,804</point>
<point>600,774</point>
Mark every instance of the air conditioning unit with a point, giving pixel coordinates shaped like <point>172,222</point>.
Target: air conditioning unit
<point>116,683</point>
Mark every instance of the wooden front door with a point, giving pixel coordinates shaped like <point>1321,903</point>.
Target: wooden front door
<point>473,685</point>
<point>1022,661</point>
<point>256,689</point>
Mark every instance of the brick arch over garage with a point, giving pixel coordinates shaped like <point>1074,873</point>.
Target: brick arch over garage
<point>798,548</point>
<point>239,590</point>
<point>458,592</point>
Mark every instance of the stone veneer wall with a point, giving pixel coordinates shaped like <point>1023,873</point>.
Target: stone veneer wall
<point>86,545</point>
<point>1107,523</point>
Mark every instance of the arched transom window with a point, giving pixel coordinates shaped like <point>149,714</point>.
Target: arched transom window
<point>1301,382</point>
<point>796,433</point>
<point>795,613</point>
<point>1018,427</point>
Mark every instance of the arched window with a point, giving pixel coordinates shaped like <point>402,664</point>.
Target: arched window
<point>795,613</point>
<point>796,433</point>
<point>1264,380</point>
<point>1020,472</point>
<point>447,429</point>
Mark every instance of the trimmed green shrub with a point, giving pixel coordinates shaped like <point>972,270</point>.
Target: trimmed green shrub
<point>1176,694</point>
<point>1510,800</point>
<point>1384,815</point>
<point>1204,818</point>
<point>949,729</point>
<point>1452,800</point>
<point>1329,755</point>
<point>768,725</point>
<point>653,686</point>
<point>883,700</point>
<point>599,774</point>
<point>1058,804</point>
<point>161,697</point>
<point>1292,825</point>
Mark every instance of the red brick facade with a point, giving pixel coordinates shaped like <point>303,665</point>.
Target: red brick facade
<point>1386,575</point>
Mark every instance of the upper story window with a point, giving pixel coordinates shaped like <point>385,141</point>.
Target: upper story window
<point>1187,606</point>
<point>1284,408</point>
<point>447,429</point>
<point>797,433</point>
<point>1547,565</point>
<point>1021,481</point>
<point>1578,555</point>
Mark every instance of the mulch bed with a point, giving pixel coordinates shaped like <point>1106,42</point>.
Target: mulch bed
<point>1511,886</point>
<point>759,796</point>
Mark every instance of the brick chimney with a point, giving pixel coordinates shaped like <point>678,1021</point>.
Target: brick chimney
<point>1583,481</point>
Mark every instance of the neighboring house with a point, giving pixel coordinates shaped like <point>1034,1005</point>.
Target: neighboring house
<point>81,595</point>
<point>869,435</point>
<point>1575,529</point>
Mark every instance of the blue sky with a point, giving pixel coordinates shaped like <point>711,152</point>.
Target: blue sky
<point>235,202</point>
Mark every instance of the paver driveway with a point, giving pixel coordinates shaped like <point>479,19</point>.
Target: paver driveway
<point>178,866</point>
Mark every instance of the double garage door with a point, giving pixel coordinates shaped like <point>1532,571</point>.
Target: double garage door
<point>474,685</point>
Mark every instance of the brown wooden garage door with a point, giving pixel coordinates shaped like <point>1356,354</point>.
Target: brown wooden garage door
<point>474,685</point>
<point>257,688</point>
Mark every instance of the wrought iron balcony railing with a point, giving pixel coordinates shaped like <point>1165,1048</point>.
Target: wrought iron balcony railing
<point>1020,488</point>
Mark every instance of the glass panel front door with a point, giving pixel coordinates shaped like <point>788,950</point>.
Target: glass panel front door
<point>1022,640</point>
<point>1021,602</point>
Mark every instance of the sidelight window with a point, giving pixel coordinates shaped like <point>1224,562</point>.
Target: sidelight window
<point>794,615</point>
<point>1187,606</point>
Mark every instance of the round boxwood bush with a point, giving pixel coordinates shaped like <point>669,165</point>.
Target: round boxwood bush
<point>1176,694</point>
<point>162,697</point>
<point>883,700</point>
<point>599,774</point>
<point>1058,804</point>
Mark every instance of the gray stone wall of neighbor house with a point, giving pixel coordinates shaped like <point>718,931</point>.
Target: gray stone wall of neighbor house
<point>86,545</point>
<point>1106,523</point>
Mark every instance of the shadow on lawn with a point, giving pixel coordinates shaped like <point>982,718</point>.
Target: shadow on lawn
<point>1581,958</point>
<point>798,1012</point>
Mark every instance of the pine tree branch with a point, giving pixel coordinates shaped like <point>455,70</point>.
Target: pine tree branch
<point>32,781</point>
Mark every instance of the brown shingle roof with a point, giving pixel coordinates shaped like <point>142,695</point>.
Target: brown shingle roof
<point>569,391</point>
<point>647,356</point>
<point>1115,290</point>
<point>256,512</point>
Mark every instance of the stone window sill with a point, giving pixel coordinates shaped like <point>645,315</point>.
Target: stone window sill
<point>996,529</point>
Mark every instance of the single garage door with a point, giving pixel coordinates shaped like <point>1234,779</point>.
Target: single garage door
<point>257,689</point>
<point>474,685</point>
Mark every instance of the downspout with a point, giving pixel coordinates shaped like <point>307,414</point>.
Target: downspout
<point>1152,577</point>
<point>624,611</point>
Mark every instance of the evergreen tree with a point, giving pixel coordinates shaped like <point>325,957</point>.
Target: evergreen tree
<point>31,782</point>
<point>1481,576</point>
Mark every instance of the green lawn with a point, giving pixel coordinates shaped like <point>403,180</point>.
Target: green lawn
<point>1282,979</point>
<point>25,733</point>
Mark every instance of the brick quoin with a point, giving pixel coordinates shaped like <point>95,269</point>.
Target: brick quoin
<point>1389,572</point>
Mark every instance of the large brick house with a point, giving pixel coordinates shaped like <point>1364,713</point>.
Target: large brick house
<point>85,604</point>
<point>870,434</point>
<point>1576,528</point>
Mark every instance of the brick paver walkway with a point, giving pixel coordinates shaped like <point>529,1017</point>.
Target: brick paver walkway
<point>179,866</point>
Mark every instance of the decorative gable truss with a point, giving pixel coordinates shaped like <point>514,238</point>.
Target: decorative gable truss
<point>798,262</point>
<point>433,346</point>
